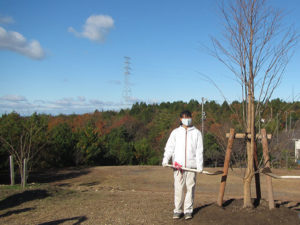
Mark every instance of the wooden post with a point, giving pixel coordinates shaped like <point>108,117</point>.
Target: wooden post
<point>24,173</point>
<point>226,166</point>
<point>12,170</point>
<point>267,164</point>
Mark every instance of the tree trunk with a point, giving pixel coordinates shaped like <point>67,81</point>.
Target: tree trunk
<point>24,182</point>
<point>248,179</point>
<point>21,172</point>
<point>250,149</point>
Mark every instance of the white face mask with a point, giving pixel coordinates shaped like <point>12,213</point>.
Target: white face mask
<point>186,121</point>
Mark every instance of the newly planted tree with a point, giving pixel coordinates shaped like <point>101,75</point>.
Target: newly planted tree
<point>23,137</point>
<point>256,47</point>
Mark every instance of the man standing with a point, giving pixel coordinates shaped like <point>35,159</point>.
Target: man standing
<point>185,146</point>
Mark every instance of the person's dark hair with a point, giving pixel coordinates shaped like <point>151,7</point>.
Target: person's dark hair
<point>187,113</point>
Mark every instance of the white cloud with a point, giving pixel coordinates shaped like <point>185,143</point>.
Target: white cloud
<point>103,104</point>
<point>14,41</point>
<point>79,105</point>
<point>39,101</point>
<point>13,98</point>
<point>81,98</point>
<point>6,20</point>
<point>9,103</point>
<point>96,28</point>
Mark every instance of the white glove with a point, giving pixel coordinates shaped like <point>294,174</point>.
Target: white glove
<point>199,170</point>
<point>164,164</point>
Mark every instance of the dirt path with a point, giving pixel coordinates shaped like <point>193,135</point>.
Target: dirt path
<point>139,195</point>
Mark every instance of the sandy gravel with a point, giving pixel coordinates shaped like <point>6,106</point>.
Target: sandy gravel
<point>140,195</point>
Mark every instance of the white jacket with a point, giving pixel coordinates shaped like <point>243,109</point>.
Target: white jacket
<point>185,147</point>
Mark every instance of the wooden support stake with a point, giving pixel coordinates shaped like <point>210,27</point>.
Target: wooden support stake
<point>226,166</point>
<point>12,170</point>
<point>267,164</point>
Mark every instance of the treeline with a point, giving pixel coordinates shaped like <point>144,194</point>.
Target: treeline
<point>127,137</point>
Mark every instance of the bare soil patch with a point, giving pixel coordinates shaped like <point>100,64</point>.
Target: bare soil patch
<point>140,195</point>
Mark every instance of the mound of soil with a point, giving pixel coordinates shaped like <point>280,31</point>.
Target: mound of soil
<point>234,214</point>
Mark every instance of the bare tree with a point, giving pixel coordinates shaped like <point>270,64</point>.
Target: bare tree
<point>256,48</point>
<point>283,145</point>
<point>23,138</point>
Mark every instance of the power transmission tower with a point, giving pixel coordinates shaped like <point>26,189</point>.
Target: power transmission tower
<point>202,118</point>
<point>127,89</point>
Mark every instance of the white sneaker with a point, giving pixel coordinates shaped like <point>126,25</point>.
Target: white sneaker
<point>188,216</point>
<point>177,215</point>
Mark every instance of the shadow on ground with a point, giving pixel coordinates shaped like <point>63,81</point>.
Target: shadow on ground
<point>46,176</point>
<point>78,220</point>
<point>196,210</point>
<point>53,176</point>
<point>288,204</point>
<point>26,196</point>
<point>18,211</point>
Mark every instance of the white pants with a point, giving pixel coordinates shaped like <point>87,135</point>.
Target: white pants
<point>187,179</point>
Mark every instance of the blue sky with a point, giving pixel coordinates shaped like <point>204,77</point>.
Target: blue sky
<point>68,56</point>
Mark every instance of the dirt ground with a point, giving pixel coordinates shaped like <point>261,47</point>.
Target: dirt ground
<point>141,195</point>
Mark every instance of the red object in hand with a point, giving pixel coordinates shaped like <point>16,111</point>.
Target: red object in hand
<point>177,166</point>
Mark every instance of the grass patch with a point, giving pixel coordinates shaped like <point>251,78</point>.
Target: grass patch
<point>11,187</point>
<point>19,187</point>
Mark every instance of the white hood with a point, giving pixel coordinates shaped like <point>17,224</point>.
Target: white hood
<point>185,147</point>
